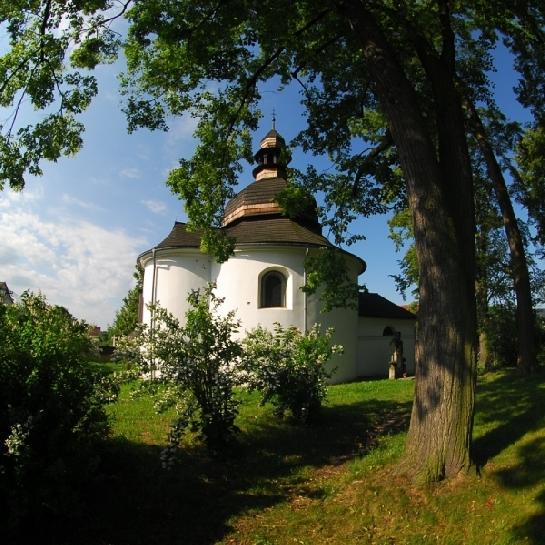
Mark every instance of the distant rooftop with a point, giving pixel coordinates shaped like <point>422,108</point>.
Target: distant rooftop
<point>5,294</point>
<point>373,305</point>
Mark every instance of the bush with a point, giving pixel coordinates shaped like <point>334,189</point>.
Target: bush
<point>192,368</point>
<point>289,368</point>
<point>51,410</point>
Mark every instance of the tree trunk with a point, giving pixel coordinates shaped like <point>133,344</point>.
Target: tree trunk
<point>442,419</point>
<point>526,356</point>
<point>485,356</point>
<point>481,297</point>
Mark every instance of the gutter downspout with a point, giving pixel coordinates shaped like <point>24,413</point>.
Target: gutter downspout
<point>305,293</point>
<point>153,300</point>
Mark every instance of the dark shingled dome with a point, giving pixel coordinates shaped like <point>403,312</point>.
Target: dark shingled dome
<point>277,231</point>
<point>180,237</point>
<point>263,191</point>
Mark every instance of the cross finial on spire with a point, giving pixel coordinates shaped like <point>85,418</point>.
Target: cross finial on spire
<point>274,119</point>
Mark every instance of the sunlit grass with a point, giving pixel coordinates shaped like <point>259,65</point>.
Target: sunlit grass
<point>334,482</point>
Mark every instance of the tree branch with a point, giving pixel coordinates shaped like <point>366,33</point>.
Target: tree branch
<point>385,144</point>
<point>43,28</point>
<point>448,53</point>
<point>16,113</point>
<point>252,82</point>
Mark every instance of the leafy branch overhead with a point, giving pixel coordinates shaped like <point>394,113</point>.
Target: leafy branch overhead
<point>45,77</point>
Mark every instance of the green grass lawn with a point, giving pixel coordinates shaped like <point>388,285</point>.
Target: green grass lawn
<point>334,482</point>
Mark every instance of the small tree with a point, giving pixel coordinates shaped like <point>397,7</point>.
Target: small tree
<point>289,368</point>
<point>126,318</point>
<point>192,368</point>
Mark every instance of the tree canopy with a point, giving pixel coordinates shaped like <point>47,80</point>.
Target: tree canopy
<point>388,89</point>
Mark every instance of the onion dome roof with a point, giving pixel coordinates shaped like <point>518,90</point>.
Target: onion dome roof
<point>254,215</point>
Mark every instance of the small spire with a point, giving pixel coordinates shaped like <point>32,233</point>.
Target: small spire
<point>274,120</point>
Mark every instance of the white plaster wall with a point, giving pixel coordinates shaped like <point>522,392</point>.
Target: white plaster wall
<point>177,273</point>
<point>374,349</point>
<point>238,282</point>
<point>345,322</point>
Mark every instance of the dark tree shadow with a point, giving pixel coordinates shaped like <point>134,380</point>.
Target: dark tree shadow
<point>516,404</point>
<point>529,472</point>
<point>137,502</point>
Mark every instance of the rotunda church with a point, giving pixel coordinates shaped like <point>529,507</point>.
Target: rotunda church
<point>262,281</point>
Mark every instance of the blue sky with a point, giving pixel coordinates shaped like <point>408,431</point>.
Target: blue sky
<point>75,233</point>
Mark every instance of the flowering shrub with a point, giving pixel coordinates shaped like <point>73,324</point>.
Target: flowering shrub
<point>289,368</point>
<point>191,368</point>
<point>51,410</point>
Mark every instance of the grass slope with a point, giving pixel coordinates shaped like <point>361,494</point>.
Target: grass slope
<point>334,482</point>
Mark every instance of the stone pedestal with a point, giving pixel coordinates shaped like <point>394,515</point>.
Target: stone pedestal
<point>392,371</point>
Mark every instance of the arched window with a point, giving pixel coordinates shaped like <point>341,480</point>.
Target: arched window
<point>272,290</point>
<point>388,331</point>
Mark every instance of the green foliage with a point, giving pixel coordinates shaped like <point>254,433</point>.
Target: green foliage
<point>126,318</point>
<point>191,367</point>
<point>48,42</point>
<point>531,182</point>
<point>500,328</point>
<point>51,411</point>
<point>401,232</point>
<point>289,368</point>
<point>328,277</point>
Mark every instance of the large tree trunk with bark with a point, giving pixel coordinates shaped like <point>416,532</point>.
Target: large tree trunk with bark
<point>442,206</point>
<point>526,355</point>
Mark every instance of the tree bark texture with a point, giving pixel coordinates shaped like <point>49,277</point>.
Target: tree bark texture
<point>526,354</point>
<point>442,418</point>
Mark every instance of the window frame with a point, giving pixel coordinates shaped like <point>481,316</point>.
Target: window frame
<point>262,292</point>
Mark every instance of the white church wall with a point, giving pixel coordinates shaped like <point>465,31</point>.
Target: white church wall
<point>181,270</point>
<point>344,320</point>
<point>177,273</point>
<point>374,348</point>
<point>238,282</point>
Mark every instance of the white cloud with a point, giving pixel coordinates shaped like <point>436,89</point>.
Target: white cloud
<point>10,198</point>
<point>75,263</point>
<point>157,207</point>
<point>132,173</point>
<point>74,201</point>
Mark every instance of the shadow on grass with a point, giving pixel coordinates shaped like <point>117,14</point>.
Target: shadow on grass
<point>513,402</point>
<point>516,403</point>
<point>138,502</point>
<point>529,472</point>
